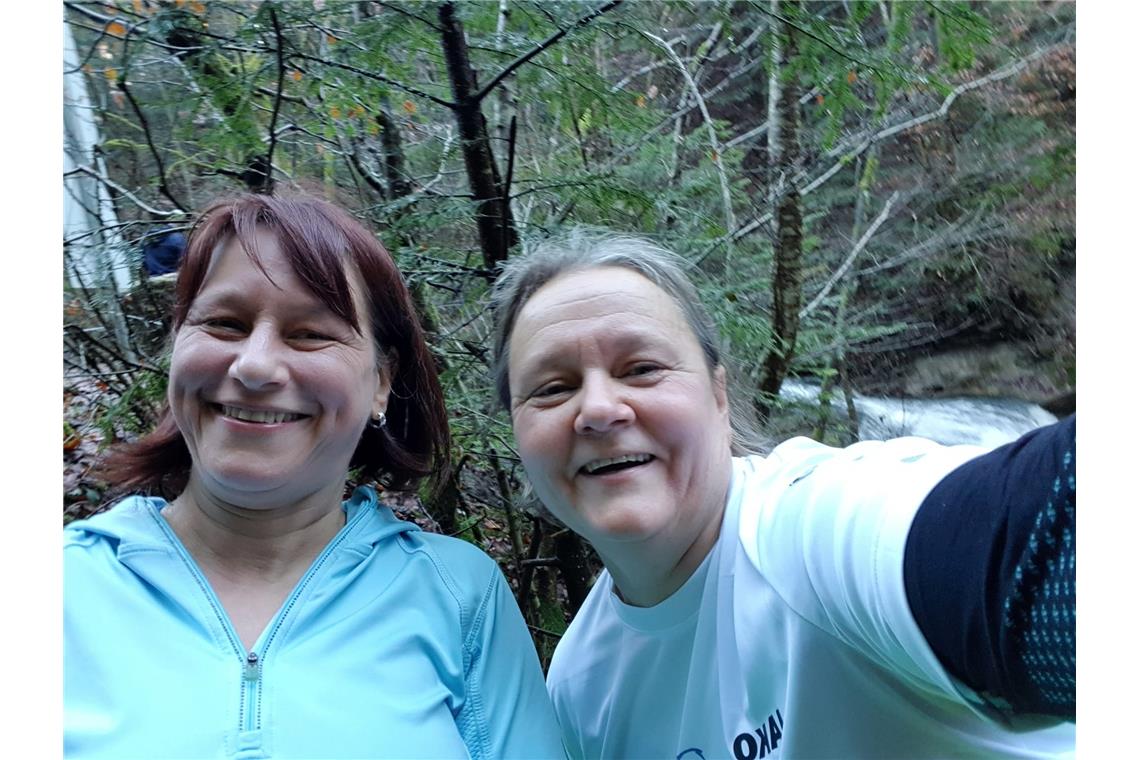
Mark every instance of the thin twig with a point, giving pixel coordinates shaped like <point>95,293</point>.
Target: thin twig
<point>417,17</point>
<point>850,259</point>
<point>842,53</point>
<point>163,185</point>
<point>377,77</point>
<point>845,160</point>
<point>725,191</point>
<point>123,191</point>
<point>510,67</point>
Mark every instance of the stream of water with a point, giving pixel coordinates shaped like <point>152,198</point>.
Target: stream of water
<point>984,421</point>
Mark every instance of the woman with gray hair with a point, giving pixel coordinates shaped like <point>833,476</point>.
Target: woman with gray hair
<point>889,599</point>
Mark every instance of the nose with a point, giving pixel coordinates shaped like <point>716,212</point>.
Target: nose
<point>602,406</point>
<point>259,361</point>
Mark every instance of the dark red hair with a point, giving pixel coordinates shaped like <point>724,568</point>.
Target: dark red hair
<point>320,241</point>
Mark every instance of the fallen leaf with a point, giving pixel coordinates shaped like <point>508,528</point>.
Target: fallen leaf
<point>409,106</point>
<point>851,76</point>
<point>116,29</point>
<point>641,101</point>
<point>335,112</point>
<point>296,75</point>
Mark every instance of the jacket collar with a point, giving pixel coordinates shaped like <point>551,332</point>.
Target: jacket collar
<point>135,523</point>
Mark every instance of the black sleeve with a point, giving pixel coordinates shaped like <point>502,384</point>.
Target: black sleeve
<point>990,570</point>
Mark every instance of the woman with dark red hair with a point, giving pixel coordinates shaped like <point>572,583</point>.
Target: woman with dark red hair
<point>257,613</point>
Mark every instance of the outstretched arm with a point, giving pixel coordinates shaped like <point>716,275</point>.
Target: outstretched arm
<point>990,569</point>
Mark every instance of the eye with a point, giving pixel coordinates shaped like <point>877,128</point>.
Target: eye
<point>550,390</point>
<point>641,369</point>
<point>224,325</point>
<point>312,336</point>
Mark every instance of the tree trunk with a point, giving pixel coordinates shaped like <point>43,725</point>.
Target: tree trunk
<point>787,281</point>
<point>393,147</point>
<point>575,571</point>
<point>497,233</point>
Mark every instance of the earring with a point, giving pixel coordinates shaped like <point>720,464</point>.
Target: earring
<point>377,421</point>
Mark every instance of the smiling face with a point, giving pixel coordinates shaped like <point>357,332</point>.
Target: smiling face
<point>269,388</point>
<point>622,427</point>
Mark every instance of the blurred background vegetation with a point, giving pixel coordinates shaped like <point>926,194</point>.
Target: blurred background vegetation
<point>877,197</point>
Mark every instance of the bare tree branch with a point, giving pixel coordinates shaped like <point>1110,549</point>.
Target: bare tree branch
<point>683,111</point>
<point>841,52</point>
<point>124,192</point>
<point>409,14</point>
<point>668,120</point>
<point>1003,73</point>
<point>755,132</point>
<point>377,77</point>
<point>725,191</point>
<point>163,185</point>
<point>510,67</point>
<point>744,44</point>
<point>994,76</point>
<point>92,48</point>
<point>837,275</point>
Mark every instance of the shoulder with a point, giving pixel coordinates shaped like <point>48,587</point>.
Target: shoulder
<point>588,639</point>
<point>459,567</point>
<point>96,551</point>
<point>471,578</point>
<point>460,560</point>
<point>128,521</point>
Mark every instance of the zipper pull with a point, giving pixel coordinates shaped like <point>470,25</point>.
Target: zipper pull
<point>252,667</point>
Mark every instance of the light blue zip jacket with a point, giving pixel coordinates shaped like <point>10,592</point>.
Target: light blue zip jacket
<point>395,643</point>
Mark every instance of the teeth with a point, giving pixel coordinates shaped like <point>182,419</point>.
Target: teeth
<point>599,464</point>
<point>251,415</point>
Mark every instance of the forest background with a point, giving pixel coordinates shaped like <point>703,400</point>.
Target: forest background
<point>875,196</point>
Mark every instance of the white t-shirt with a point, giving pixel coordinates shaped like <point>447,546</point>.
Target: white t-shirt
<point>793,638</point>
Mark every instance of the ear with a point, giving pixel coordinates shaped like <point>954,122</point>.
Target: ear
<point>720,390</point>
<point>383,389</point>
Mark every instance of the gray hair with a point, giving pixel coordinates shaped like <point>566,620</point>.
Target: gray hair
<point>583,248</point>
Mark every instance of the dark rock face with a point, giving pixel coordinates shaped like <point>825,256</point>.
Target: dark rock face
<point>1001,369</point>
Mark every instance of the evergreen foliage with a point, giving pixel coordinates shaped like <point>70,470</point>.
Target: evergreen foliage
<point>957,118</point>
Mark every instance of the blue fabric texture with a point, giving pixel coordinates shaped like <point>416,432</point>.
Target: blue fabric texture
<point>1040,612</point>
<point>990,573</point>
<point>162,252</point>
<point>395,643</point>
